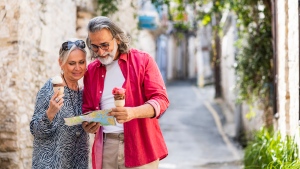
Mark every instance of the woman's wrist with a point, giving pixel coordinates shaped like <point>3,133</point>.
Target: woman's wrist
<point>49,115</point>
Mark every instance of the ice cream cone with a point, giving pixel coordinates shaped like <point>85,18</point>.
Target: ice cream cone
<point>120,103</point>
<point>59,88</point>
<point>119,96</point>
<point>58,85</point>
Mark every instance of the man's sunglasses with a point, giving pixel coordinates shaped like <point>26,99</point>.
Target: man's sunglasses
<point>68,45</point>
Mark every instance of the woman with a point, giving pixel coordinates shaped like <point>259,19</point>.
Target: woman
<point>56,145</point>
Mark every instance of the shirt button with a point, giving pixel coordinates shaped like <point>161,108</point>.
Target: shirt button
<point>97,107</point>
<point>102,75</point>
<point>100,92</point>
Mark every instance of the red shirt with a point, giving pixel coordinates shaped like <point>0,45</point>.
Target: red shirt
<point>143,140</point>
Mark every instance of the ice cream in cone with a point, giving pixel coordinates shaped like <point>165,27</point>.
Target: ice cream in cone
<point>58,85</point>
<point>119,96</point>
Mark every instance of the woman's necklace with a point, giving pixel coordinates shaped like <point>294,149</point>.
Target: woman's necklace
<point>71,94</point>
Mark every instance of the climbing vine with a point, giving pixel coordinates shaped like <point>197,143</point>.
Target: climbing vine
<point>254,59</point>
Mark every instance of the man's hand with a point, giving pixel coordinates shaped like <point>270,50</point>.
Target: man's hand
<point>122,114</point>
<point>91,127</point>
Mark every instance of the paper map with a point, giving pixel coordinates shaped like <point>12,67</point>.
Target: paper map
<point>93,116</point>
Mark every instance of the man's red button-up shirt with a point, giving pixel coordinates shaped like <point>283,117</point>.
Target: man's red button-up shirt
<point>143,140</point>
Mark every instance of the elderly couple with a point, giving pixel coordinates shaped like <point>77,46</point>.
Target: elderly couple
<point>136,142</point>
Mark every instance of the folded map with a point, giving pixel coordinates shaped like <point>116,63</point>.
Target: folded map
<point>93,116</point>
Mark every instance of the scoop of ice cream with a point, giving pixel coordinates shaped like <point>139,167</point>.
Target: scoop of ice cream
<point>57,80</point>
<point>119,96</point>
<point>118,91</point>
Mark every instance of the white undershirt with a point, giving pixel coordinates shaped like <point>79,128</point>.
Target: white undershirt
<point>113,78</point>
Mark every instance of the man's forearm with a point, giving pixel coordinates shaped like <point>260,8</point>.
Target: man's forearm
<point>144,111</point>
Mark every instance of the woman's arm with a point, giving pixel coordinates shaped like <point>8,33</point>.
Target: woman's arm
<point>40,125</point>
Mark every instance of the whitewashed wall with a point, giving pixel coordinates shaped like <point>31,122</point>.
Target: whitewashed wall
<point>171,53</point>
<point>288,66</point>
<point>203,55</point>
<point>192,64</point>
<point>227,64</point>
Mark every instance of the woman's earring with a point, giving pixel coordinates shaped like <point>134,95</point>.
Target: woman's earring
<point>61,72</point>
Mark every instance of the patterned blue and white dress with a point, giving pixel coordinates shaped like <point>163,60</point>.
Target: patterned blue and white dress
<point>56,145</point>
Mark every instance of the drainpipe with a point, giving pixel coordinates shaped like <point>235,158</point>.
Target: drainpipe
<point>299,48</point>
<point>274,16</point>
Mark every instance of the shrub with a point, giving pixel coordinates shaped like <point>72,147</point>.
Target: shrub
<point>268,150</point>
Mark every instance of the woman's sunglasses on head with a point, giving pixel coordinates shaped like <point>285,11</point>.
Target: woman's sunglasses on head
<point>68,45</point>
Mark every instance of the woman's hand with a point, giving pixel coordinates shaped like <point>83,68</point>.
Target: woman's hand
<point>91,127</point>
<point>56,102</point>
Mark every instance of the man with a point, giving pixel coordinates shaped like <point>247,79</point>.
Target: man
<point>136,141</point>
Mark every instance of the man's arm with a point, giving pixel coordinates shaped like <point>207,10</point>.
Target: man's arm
<point>154,88</point>
<point>125,114</point>
<point>155,93</point>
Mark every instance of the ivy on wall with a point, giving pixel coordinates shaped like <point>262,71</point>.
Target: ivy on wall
<point>254,60</point>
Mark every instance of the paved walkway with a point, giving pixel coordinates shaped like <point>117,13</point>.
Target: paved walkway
<point>192,127</point>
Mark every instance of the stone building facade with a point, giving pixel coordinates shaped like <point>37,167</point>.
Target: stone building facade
<point>31,33</point>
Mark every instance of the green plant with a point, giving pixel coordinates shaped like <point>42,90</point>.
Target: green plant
<point>108,7</point>
<point>269,150</point>
<point>254,59</point>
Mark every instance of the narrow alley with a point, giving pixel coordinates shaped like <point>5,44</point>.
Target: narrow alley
<point>192,127</point>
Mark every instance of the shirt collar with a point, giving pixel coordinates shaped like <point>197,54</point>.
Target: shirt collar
<point>98,63</point>
<point>123,56</point>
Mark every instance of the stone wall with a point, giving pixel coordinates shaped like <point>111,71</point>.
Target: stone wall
<point>31,33</point>
<point>227,62</point>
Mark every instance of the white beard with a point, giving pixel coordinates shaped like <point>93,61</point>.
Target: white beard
<point>110,55</point>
